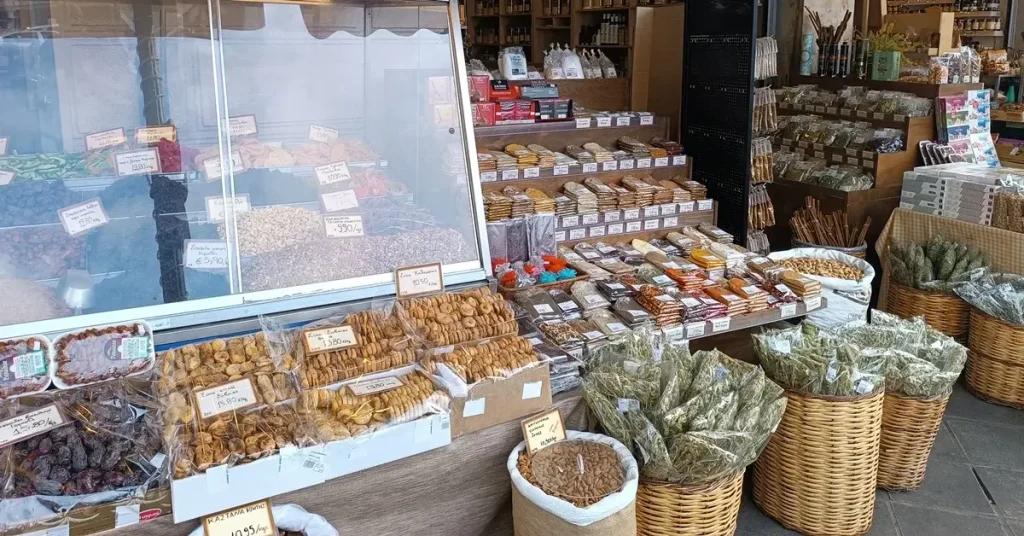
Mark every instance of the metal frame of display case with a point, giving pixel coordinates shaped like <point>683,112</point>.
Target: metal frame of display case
<point>238,312</point>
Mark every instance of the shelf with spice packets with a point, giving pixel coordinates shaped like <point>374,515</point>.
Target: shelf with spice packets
<point>577,171</point>
<point>654,221</point>
<point>726,324</point>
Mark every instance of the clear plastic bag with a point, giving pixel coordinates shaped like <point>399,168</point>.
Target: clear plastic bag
<point>456,317</point>
<point>538,305</point>
<point>541,235</point>
<point>25,366</point>
<point>810,360</point>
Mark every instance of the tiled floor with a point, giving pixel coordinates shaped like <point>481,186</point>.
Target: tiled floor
<point>974,485</point>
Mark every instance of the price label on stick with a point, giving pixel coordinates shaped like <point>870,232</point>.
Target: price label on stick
<point>256,519</point>
<point>343,226</point>
<point>242,125</point>
<point>150,135</point>
<point>105,138</point>
<point>206,254</point>
<point>213,169</point>
<point>231,396</point>
<point>30,424</point>
<point>332,173</point>
<point>324,134</point>
<point>543,430</point>
<point>416,280</point>
<point>337,201</point>
<point>137,162</point>
<point>83,217</point>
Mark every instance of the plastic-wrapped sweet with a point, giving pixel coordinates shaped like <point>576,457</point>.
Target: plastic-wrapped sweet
<point>102,353</point>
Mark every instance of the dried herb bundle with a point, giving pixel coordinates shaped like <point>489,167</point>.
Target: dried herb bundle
<point>999,295</point>
<point>806,359</point>
<point>711,416</point>
<point>938,265</point>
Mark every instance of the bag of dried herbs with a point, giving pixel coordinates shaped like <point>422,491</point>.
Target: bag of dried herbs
<point>815,361</point>
<point>710,415</point>
<point>920,361</point>
<point>998,295</point>
<point>938,265</point>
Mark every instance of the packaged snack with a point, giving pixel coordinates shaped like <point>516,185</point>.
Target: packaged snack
<point>102,353</point>
<point>24,366</point>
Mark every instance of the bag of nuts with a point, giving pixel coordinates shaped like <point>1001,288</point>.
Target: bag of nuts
<point>845,281</point>
<point>584,485</point>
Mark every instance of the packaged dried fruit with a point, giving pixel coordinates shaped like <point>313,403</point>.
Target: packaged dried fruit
<point>102,353</point>
<point>467,364</point>
<point>453,318</point>
<point>24,366</point>
<point>69,449</point>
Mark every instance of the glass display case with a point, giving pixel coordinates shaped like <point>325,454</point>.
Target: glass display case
<point>189,162</point>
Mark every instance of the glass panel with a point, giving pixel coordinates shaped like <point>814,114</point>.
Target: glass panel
<point>356,164</point>
<point>105,106</point>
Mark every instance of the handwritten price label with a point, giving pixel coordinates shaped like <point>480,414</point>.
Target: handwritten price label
<point>242,125</point>
<point>695,329</point>
<point>622,121</point>
<point>671,221</point>
<point>206,254</point>
<point>83,217</point>
<point>615,228</point>
<point>633,227</point>
<point>627,164</point>
<point>609,166</point>
<point>492,176</point>
<point>137,162</point>
<point>227,397</point>
<point>543,430</point>
<point>256,519</point>
<point>788,310</point>
<point>604,121</point>
<point>813,303</point>
<point>583,122</point>
<point>148,135</point>
<point>29,424</point>
<point>337,201</point>
<point>531,173</point>
<point>661,162</point>
<point>720,324</point>
<point>214,170</point>
<point>646,119</point>
<point>650,224</point>
<point>631,214</point>
<point>419,280</point>
<point>327,339</point>
<point>215,207</point>
<point>643,163</point>
<point>561,169</point>
<point>705,204</point>
<point>590,168</point>
<point>343,226</point>
<point>324,134</point>
<point>375,386</point>
<point>570,221</point>
<point>577,234</point>
<point>6,177</point>
<point>105,138</point>
<point>679,160</point>
<point>651,211</point>
<point>509,174</point>
<point>332,173</point>
<point>589,219</point>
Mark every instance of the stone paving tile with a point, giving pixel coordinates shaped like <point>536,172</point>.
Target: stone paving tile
<point>884,522</point>
<point>991,445</point>
<point>1007,490</point>
<point>754,522</point>
<point>919,521</point>
<point>950,486</point>
<point>963,404</point>
<point>1015,526</point>
<point>946,447</point>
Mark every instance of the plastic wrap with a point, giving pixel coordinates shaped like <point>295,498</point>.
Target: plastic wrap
<point>102,353</point>
<point>538,304</point>
<point>24,366</point>
<point>693,418</point>
<point>998,295</point>
<point>541,235</point>
<point>810,360</point>
<point>587,294</point>
<point>93,446</point>
<point>567,306</point>
<point>938,265</point>
<point>497,242</point>
<point>517,240</point>
<point>454,318</point>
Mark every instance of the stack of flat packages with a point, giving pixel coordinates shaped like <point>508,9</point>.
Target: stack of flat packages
<point>688,276</point>
<point>621,155</point>
<point>664,308</point>
<point>497,207</point>
<point>644,192</point>
<point>702,240</point>
<point>734,304</point>
<point>586,201</point>
<point>607,199</point>
<point>627,198</point>
<point>679,195</point>
<point>634,147</point>
<point>757,298</point>
<point>685,244</point>
<point>600,153</point>
<point>581,155</point>
<point>662,195</point>
<point>670,147</point>
<point>564,159</point>
<point>542,202</point>
<point>564,206</point>
<point>546,158</point>
<point>693,308</point>
<point>732,258</point>
<point>697,190</point>
<point>715,233</point>
<point>713,307</point>
<point>657,152</point>
<point>960,191</point>
<point>800,284</point>
<point>486,161</point>
<point>525,158</point>
<point>522,204</point>
<point>706,260</point>
<point>504,161</point>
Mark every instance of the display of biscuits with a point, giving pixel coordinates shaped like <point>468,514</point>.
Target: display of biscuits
<point>454,318</point>
<point>498,358</point>
<point>381,344</point>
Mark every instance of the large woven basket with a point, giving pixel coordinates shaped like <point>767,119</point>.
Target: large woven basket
<point>665,509</point>
<point>946,313</point>
<point>819,471</point>
<point>995,338</point>
<point>994,380</point>
<point>909,427</point>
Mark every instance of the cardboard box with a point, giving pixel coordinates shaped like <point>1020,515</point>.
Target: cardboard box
<point>85,521</point>
<point>479,88</point>
<point>483,114</point>
<point>492,402</point>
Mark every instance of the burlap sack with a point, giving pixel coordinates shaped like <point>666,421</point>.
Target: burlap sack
<point>531,520</point>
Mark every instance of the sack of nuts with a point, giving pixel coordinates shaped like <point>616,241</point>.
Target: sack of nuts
<point>583,485</point>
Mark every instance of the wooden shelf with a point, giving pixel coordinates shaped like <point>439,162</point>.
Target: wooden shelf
<point>605,46</point>
<point>483,16</point>
<point>602,9</point>
<point>700,330</point>
<point>918,3</point>
<point>921,90</point>
<point>686,219</point>
<point>553,27</point>
<point>547,178</point>
<point>977,14</point>
<point>845,114</point>
<point>982,33</point>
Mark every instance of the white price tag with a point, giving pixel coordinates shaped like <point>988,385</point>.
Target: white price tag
<point>652,211</point>
<point>788,310</point>
<point>631,214</point>
<point>215,206</point>
<point>559,236</point>
<point>695,329</point>
<point>150,135</point>
<point>509,174</point>
<point>627,404</point>
<point>643,163</point>
<point>419,280</point>
<point>673,333</point>
<point>669,209</point>
<point>543,308</point>
<point>596,231</point>
<point>83,217</point>
<point>661,162</point>
<point>212,166</point>
<point>3,146</point>
<point>256,519</point>
<point>671,221</point>
<point>343,226</point>
<point>531,173</point>
<point>611,215</point>
<point>583,122</point>
<point>813,303</point>
<point>231,396</point>
<point>332,173</point>
<point>650,224</point>
<point>679,160</point>
<point>590,168</point>
<point>589,219</point>
<point>206,254</point>
<point>242,125</point>
<point>570,221</point>
<point>720,324</point>
<point>343,200</point>
<point>622,121</point>
<point>705,204</point>
<point>375,386</point>
<point>6,177</point>
<point>104,139</point>
<point>627,164</point>
<point>615,228</point>
<point>577,234</point>
<point>30,424</point>
<point>560,169</point>
<point>489,176</point>
<point>137,162</point>
<point>604,121</point>
<point>324,134</point>
<point>633,227</point>
<point>646,119</point>
<point>687,207</point>
<point>327,339</point>
<point>610,166</point>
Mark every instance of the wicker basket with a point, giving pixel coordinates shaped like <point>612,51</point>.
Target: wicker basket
<point>859,251</point>
<point>665,509</point>
<point>994,380</point>
<point>818,473</point>
<point>909,427</point>
<point>946,313</point>
<point>509,292</point>
<point>996,339</point>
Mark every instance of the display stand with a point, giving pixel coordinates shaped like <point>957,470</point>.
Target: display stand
<point>921,90</point>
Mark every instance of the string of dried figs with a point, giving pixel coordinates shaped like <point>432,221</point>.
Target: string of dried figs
<point>580,472</point>
<point>340,414</point>
<point>494,359</point>
<point>454,318</point>
<point>381,344</point>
